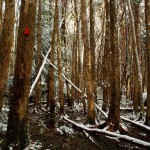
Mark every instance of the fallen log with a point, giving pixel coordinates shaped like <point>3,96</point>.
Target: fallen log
<point>125,119</point>
<point>129,108</point>
<point>118,136</point>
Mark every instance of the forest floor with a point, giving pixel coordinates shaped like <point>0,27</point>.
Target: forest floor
<point>54,133</point>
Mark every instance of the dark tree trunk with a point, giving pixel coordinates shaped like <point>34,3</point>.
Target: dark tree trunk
<point>114,112</point>
<point>38,57</point>
<point>51,94</point>
<point>106,61</point>
<point>17,130</point>
<point>87,65</point>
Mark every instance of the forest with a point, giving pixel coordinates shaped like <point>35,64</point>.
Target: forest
<point>74,74</point>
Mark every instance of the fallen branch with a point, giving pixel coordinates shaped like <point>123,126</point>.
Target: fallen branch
<point>136,123</point>
<point>129,108</point>
<point>119,137</point>
<point>64,76</point>
<point>104,114</point>
<point>125,119</point>
<point>39,73</point>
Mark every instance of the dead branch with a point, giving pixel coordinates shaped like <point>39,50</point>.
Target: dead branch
<point>119,136</point>
<point>125,119</point>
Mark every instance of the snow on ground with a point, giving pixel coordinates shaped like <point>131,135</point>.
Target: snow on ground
<point>65,130</point>
<point>3,119</point>
<point>34,146</point>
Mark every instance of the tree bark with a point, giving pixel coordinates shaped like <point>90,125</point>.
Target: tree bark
<point>135,51</point>
<point>106,61</point>
<point>51,94</point>
<point>6,44</point>
<point>147,24</point>
<point>38,57</point>
<point>113,121</point>
<point>88,70</point>
<point>17,130</point>
<point>61,96</point>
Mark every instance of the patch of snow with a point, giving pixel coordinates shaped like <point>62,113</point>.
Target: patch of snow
<point>78,106</point>
<point>3,119</point>
<point>144,97</point>
<point>34,146</point>
<point>3,127</point>
<point>65,130</point>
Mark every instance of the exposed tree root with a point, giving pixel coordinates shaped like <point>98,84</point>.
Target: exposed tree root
<point>118,136</point>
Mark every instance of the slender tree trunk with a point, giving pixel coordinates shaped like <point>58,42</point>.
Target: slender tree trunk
<point>136,57</point>
<point>61,96</point>
<point>114,112</point>
<point>92,47</point>
<point>51,94</point>
<point>6,44</point>
<point>17,130</point>
<point>136,13</point>
<point>106,61</point>
<point>147,23</point>
<point>73,70</point>
<point>38,57</point>
<point>88,70</point>
<point>135,89</point>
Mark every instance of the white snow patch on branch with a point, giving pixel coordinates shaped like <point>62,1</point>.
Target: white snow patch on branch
<point>39,73</point>
<point>125,119</point>
<point>119,137</point>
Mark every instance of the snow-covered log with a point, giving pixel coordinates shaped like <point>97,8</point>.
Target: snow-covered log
<point>129,108</point>
<point>136,123</point>
<point>125,119</point>
<point>113,134</point>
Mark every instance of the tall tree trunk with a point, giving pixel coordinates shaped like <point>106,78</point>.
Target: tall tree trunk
<point>38,57</point>
<point>6,43</point>
<point>17,130</point>
<point>73,70</point>
<point>77,14</point>
<point>136,13</point>
<point>92,47</point>
<point>147,23</point>
<point>61,96</point>
<point>135,51</point>
<point>114,112</point>
<point>106,61</point>
<point>88,70</point>
<point>51,94</point>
